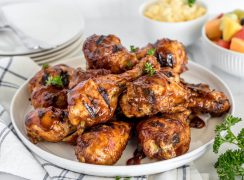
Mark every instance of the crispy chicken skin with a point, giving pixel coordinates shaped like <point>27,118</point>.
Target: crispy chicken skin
<point>149,95</point>
<point>41,77</point>
<point>107,52</point>
<point>164,137</point>
<point>165,92</point>
<point>142,52</point>
<point>169,53</point>
<point>103,144</point>
<point>46,96</point>
<point>205,100</point>
<point>80,75</point>
<point>94,101</point>
<point>48,124</point>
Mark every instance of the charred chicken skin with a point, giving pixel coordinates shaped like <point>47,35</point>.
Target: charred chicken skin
<point>41,77</point>
<point>149,95</point>
<point>164,92</point>
<point>48,124</point>
<point>103,144</point>
<point>142,52</point>
<point>44,92</point>
<point>80,75</point>
<point>107,52</point>
<point>46,96</point>
<point>169,53</point>
<point>95,100</point>
<point>164,137</point>
<point>205,100</point>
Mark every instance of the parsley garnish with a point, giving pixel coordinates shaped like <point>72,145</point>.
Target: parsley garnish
<point>148,68</point>
<point>117,178</point>
<point>191,2</point>
<point>55,81</point>
<point>133,48</point>
<point>45,65</point>
<point>229,164</point>
<point>129,64</point>
<point>151,51</point>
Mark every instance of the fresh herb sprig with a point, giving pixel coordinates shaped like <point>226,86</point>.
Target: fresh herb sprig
<point>55,81</point>
<point>148,68</point>
<point>45,66</point>
<point>120,178</point>
<point>230,164</point>
<point>129,64</point>
<point>151,51</point>
<point>133,48</point>
<point>191,2</point>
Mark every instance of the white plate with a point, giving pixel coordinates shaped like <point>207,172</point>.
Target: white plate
<point>57,49</point>
<point>34,19</point>
<point>77,44</point>
<point>63,155</point>
<point>70,53</point>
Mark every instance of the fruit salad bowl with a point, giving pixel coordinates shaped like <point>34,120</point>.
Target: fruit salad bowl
<point>223,40</point>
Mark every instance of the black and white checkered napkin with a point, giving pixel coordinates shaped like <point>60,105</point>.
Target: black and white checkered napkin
<point>16,159</point>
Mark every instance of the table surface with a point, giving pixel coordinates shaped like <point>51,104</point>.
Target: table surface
<point>130,31</point>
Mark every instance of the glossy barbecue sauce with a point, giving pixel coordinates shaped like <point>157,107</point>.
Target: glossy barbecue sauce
<point>137,157</point>
<point>197,122</point>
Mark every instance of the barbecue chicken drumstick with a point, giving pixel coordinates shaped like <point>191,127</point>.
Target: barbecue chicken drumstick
<point>103,143</point>
<point>94,101</point>
<point>49,86</point>
<point>169,53</point>
<point>165,137</point>
<point>40,79</point>
<point>107,52</point>
<point>48,124</point>
<point>80,75</point>
<point>205,100</point>
<point>164,92</point>
<point>149,95</point>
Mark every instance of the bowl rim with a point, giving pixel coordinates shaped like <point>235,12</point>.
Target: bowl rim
<point>143,6</point>
<point>206,39</point>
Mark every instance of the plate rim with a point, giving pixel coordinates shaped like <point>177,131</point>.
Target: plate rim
<point>123,170</point>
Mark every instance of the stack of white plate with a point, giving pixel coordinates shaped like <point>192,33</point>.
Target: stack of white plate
<point>57,23</point>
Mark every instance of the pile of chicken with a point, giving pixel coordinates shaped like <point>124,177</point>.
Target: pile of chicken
<point>121,92</point>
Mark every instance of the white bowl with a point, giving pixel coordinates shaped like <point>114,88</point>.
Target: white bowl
<point>227,60</point>
<point>63,155</point>
<point>186,32</point>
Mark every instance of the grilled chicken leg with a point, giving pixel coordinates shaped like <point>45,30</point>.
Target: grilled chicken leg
<point>165,137</point>
<point>149,95</point>
<point>107,52</point>
<point>80,75</point>
<point>48,124</point>
<point>95,100</point>
<point>45,93</point>
<point>40,79</point>
<point>205,100</point>
<point>104,143</point>
<point>169,53</point>
<point>164,92</point>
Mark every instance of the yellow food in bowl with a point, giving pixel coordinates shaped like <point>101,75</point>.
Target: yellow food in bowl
<point>174,11</point>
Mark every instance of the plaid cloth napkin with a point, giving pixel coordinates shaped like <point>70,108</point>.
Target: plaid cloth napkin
<point>18,160</point>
